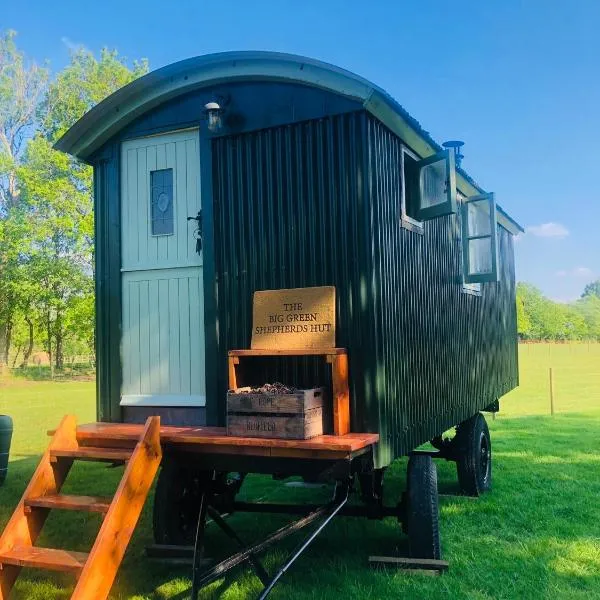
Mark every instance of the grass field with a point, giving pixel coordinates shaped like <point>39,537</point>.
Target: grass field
<point>536,535</point>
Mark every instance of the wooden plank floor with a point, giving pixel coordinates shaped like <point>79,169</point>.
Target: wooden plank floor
<point>215,440</point>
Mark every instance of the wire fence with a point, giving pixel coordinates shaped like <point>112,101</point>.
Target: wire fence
<point>40,369</point>
<point>555,378</point>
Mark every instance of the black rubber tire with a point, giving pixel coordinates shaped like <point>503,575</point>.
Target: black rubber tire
<point>473,448</point>
<point>421,510</point>
<point>176,504</point>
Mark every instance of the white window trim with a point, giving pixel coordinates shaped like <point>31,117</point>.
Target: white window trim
<point>408,221</point>
<point>473,289</point>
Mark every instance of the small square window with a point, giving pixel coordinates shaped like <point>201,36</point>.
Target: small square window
<point>161,197</point>
<point>428,186</point>
<point>437,185</point>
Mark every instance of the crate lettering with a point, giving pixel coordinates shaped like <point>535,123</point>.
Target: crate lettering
<point>265,401</point>
<point>260,425</point>
<point>298,415</point>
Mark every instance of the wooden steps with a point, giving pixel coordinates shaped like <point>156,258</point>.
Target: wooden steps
<point>93,504</point>
<point>94,454</point>
<point>44,558</point>
<point>95,571</point>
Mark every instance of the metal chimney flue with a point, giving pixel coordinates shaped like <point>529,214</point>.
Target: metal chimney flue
<point>456,145</point>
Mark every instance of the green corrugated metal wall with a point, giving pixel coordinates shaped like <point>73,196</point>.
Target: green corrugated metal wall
<point>291,211</point>
<point>441,354</point>
<point>318,203</point>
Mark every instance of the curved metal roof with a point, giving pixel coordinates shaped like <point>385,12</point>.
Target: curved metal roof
<point>103,121</point>
<point>122,107</point>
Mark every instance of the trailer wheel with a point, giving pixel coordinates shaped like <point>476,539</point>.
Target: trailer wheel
<point>421,508</point>
<point>474,456</point>
<point>177,501</point>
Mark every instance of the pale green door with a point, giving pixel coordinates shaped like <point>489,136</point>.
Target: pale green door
<point>162,344</point>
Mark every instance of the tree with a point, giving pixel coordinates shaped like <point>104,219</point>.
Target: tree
<point>57,196</point>
<point>589,309</point>
<point>574,326</point>
<point>523,320</point>
<point>80,324</point>
<point>534,310</point>
<point>46,219</point>
<point>21,87</point>
<point>592,289</point>
<point>13,230</point>
<point>84,83</point>
<point>539,318</point>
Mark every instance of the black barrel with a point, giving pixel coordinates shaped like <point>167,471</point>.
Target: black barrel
<point>6,429</point>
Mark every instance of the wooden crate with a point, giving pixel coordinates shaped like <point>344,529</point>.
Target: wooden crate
<point>296,416</point>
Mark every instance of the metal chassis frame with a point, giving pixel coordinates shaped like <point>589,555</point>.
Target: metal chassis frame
<point>248,553</point>
<point>344,471</point>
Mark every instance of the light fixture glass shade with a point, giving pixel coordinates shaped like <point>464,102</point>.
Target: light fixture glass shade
<point>214,118</point>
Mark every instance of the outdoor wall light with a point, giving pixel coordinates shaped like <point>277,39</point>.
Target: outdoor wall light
<point>214,116</point>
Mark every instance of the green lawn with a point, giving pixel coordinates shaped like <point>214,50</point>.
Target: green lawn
<point>536,535</point>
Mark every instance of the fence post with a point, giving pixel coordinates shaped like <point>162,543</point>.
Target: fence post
<point>551,391</point>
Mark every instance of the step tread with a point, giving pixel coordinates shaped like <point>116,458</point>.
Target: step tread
<point>44,558</point>
<point>96,504</point>
<point>93,453</point>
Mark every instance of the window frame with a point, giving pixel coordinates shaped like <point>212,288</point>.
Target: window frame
<point>471,288</point>
<point>151,203</point>
<point>448,207</point>
<point>407,221</point>
<point>494,275</point>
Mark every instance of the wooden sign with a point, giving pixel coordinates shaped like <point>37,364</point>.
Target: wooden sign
<point>293,319</point>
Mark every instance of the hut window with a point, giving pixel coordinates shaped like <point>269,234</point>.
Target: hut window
<point>429,186</point>
<point>437,186</point>
<point>161,185</point>
<point>410,188</point>
<point>479,239</point>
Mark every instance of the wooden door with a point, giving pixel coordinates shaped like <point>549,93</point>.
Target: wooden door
<point>162,343</point>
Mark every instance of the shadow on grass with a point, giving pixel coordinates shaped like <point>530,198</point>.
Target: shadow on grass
<point>536,535</point>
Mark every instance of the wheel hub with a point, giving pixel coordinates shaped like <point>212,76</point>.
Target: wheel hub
<point>484,456</point>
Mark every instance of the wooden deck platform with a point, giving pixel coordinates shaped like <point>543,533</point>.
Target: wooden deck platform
<point>213,440</point>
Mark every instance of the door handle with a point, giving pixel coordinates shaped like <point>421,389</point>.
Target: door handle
<point>198,231</point>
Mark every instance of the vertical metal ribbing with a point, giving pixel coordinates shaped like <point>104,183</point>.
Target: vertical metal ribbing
<point>445,354</point>
<point>318,203</point>
<point>287,214</point>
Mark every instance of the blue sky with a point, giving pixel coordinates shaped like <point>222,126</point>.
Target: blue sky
<point>518,81</point>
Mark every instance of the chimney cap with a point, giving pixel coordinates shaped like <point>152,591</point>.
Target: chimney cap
<point>457,144</point>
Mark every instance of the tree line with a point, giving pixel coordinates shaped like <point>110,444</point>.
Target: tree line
<point>539,318</point>
<point>46,208</point>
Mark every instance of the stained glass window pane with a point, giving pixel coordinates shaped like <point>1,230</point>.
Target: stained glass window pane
<point>161,185</point>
